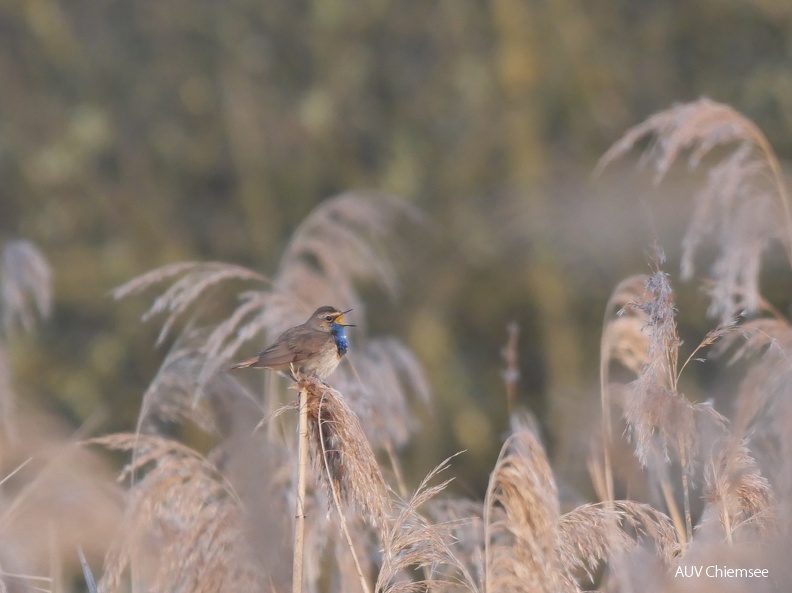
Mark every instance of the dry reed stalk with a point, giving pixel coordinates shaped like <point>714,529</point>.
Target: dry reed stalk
<point>90,581</point>
<point>299,523</point>
<point>679,521</point>
<point>7,403</point>
<point>511,374</point>
<point>744,203</point>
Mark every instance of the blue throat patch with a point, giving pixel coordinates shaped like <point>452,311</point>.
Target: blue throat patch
<point>341,342</point>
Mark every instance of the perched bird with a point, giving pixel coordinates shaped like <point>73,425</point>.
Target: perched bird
<point>312,349</point>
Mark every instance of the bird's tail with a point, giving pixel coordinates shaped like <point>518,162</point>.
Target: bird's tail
<point>244,364</point>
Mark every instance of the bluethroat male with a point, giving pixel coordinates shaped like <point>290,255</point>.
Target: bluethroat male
<point>312,349</point>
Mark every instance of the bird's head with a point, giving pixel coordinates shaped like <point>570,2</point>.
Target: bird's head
<point>325,317</point>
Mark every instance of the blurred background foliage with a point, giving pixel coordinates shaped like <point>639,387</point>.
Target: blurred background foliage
<point>137,133</point>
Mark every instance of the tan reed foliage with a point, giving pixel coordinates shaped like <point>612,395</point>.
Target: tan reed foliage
<point>378,381</point>
<point>350,240</point>
<point>184,526</point>
<point>25,296</point>
<point>624,340</point>
<point>768,346</point>
<point>54,497</point>
<point>356,229</point>
<point>25,286</point>
<point>190,280</point>
<point>592,533</point>
<point>7,404</point>
<point>411,541</point>
<point>345,240</point>
<point>340,443</point>
<point>659,417</point>
<point>530,546</point>
<point>521,545</point>
<point>736,488</point>
<point>466,517</point>
<point>763,407</point>
<point>743,205</point>
<point>179,394</point>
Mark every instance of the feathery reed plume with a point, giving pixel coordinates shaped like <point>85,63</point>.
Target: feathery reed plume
<point>659,418</point>
<point>25,295</point>
<point>532,547</point>
<point>345,463</point>
<point>170,397</point>
<point>624,336</point>
<point>736,488</point>
<point>768,344</point>
<point>190,281</point>
<point>341,445</point>
<point>744,203</point>
<point>520,545</point>
<point>25,286</point>
<point>184,526</point>
<point>466,518</point>
<point>54,497</point>
<point>344,240</point>
<point>412,541</point>
<point>593,533</point>
<point>178,393</point>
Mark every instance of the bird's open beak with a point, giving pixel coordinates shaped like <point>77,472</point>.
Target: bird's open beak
<point>340,319</point>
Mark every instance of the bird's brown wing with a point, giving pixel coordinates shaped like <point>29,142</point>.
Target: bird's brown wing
<point>294,346</point>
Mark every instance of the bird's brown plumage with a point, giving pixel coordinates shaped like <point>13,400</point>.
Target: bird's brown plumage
<point>307,349</point>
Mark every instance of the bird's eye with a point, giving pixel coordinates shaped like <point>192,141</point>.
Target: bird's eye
<point>328,317</point>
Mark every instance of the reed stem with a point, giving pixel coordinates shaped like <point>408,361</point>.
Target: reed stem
<point>299,523</point>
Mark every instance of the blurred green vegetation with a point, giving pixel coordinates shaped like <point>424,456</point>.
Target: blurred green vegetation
<point>137,133</point>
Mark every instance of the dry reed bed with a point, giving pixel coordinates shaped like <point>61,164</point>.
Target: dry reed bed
<point>715,484</point>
